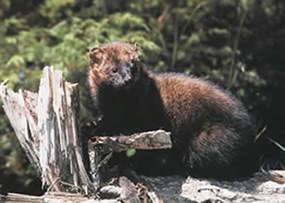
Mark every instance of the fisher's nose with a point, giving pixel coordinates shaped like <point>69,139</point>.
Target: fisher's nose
<point>125,73</point>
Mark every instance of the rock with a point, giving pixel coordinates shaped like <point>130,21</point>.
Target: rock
<point>260,188</point>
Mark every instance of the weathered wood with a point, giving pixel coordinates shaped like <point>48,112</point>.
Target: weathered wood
<point>60,143</point>
<point>102,148</point>
<point>59,197</point>
<point>46,125</point>
<point>149,140</point>
<point>19,107</point>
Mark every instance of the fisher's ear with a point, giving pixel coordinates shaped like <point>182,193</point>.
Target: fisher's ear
<point>96,55</point>
<point>137,50</point>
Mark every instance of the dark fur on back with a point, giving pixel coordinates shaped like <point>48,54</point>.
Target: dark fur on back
<point>211,131</point>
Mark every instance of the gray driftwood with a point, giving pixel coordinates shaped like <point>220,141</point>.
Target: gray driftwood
<point>150,140</point>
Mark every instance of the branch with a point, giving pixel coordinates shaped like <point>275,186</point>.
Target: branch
<point>150,140</point>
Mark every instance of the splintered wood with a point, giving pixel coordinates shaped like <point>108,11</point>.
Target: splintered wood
<point>46,125</point>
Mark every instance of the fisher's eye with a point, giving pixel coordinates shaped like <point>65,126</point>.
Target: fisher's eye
<point>132,64</point>
<point>115,69</point>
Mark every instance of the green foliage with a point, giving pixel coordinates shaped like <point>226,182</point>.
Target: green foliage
<point>54,10</point>
<point>236,43</point>
<point>130,152</point>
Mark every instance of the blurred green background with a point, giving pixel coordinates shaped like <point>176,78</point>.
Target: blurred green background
<point>239,44</point>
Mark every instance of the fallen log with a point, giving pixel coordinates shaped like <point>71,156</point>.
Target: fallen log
<point>150,140</point>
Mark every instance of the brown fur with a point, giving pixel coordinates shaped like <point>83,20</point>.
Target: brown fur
<point>212,133</point>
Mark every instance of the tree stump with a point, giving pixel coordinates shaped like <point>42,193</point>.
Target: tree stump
<point>46,125</point>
